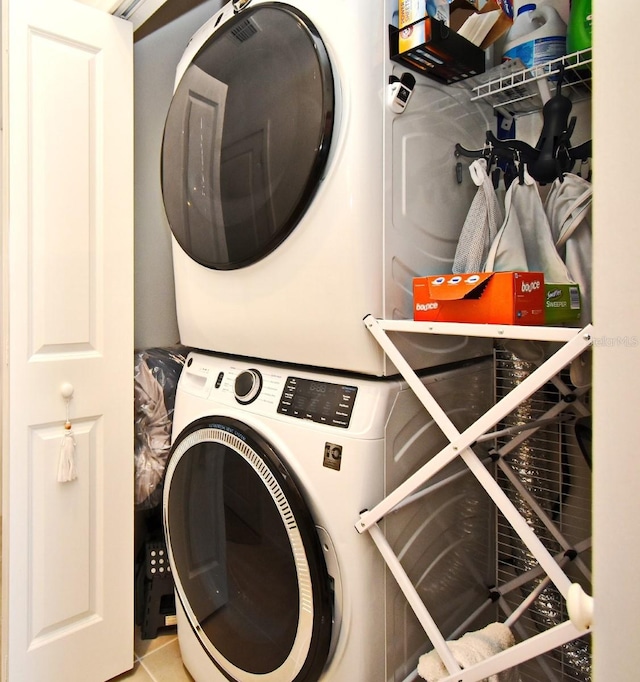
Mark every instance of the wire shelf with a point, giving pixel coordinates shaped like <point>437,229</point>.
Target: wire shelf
<point>517,91</point>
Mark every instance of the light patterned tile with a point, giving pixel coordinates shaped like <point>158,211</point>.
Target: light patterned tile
<point>144,647</point>
<point>165,664</point>
<point>137,674</point>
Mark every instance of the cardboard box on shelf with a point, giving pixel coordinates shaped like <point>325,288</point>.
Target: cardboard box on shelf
<point>482,297</point>
<point>434,48</point>
<point>562,303</point>
<point>410,11</point>
<point>461,10</point>
<point>453,14</point>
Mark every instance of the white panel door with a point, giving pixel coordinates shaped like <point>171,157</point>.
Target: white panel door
<point>67,322</point>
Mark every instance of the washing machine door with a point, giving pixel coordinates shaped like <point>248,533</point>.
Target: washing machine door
<point>245,555</point>
<point>247,136</point>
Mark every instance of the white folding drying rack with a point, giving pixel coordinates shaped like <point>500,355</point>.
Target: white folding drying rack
<point>579,605</point>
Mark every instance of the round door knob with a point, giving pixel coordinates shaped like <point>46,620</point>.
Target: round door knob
<point>66,391</point>
<point>247,386</point>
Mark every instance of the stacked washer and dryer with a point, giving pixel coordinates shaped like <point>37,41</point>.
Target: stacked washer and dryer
<point>299,203</point>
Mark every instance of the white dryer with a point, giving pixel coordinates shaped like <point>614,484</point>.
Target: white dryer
<point>298,201</point>
<point>270,468</point>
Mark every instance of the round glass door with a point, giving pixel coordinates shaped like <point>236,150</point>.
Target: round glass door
<point>247,136</point>
<point>246,558</point>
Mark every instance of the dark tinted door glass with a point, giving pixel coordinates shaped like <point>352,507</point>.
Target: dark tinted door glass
<point>247,137</point>
<point>234,562</point>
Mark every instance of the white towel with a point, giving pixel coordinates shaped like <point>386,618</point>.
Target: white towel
<point>472,648</point>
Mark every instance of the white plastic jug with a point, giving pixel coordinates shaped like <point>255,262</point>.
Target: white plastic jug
<point>538,35</point>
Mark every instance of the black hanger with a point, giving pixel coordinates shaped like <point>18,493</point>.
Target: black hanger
<point>553,159</point>
<point>552,156</point>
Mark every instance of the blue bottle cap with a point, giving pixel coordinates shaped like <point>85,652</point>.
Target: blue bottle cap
<point>526,8</point>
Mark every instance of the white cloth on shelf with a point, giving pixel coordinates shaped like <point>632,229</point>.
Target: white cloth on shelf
<point>472,648</point>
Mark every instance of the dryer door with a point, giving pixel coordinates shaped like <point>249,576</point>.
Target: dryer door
<point>247,136</point>
<point>245,555</point>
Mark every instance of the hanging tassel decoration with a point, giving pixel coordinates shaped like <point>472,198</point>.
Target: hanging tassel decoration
<point>67,458</point>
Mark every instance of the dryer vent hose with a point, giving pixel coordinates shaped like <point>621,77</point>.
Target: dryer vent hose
<point>540,465</point>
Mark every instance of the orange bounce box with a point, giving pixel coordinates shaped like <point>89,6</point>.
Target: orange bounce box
<point>484,297</point>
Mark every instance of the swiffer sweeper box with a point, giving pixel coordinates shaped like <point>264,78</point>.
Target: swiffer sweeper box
<point>482,297</point>
<point>562,304</point>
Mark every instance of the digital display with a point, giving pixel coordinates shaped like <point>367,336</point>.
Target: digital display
<point>318,401</point>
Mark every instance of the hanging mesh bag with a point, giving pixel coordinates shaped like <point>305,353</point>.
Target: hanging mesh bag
<point>481,224</point>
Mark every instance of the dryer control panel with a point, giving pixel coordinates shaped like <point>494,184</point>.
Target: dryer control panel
<point>318,401</point>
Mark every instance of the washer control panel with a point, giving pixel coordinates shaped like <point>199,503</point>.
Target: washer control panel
<point>275,391</point>
<point>318,401</point>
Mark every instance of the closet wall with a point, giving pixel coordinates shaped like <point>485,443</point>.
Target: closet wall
<point>617,344</point>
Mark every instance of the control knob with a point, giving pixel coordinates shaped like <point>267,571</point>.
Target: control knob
<point>247,386</point>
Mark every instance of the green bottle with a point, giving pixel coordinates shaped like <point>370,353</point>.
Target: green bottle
<point>579,26</point>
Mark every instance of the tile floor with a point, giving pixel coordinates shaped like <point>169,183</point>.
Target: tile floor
<point>156,660</point>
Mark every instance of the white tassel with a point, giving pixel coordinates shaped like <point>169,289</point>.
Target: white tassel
<point>67,459</point>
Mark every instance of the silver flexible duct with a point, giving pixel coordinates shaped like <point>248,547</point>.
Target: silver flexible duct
<point>537,462</point>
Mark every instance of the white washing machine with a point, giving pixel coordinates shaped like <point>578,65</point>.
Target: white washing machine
<point>270,468</point>
<point>298,201</point>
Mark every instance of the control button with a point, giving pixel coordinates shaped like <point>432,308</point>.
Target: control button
<point>247,386</point>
